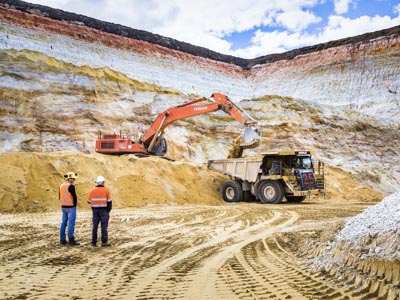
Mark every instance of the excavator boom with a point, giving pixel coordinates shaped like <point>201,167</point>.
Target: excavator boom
<point>152,141</point>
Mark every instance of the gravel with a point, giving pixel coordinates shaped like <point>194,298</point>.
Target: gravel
<point>379,219</point>
<point>376,231</point>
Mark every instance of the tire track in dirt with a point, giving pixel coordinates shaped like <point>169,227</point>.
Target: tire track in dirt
<point>156,278</point>
<point>241,251</point>
<point>166,240</point>
<point>207,281</point>
<point>284,271</point>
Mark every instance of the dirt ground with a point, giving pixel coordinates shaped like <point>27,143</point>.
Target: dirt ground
<point>230,251</point>
<point>173,237</point>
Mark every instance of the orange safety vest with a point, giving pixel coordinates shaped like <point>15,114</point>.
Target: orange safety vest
<point>99,196</point>
<point>66,198</point>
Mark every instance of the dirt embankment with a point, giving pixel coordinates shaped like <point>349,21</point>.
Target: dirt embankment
<point>33,180</point>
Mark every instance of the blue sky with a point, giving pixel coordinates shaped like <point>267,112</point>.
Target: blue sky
<point>244,28</point>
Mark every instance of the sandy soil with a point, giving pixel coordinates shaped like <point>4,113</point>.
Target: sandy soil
<point>239,251</point>
<point>33,180</point>
<point>174,238</point>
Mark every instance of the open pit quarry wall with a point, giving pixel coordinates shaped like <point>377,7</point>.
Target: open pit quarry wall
<point>66,76</point>
<point>361,73</point>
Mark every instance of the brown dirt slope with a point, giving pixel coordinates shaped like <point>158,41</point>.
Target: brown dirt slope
<point>33,180</point>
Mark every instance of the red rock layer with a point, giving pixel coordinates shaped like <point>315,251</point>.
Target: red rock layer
<point>350,52</point>
<point>91,35</point>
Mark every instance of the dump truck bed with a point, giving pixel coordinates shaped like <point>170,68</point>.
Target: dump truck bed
<point>241,168</point>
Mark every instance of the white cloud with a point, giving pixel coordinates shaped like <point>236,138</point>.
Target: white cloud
<point>197,22</point>
<point>297,19</point>
<point>52,3</point>
<point>396,9</point>
<point>208,23</point>
<point>342,6</point>
<point>214,18</point>
<point>264,43</point>
<point>338,27</point>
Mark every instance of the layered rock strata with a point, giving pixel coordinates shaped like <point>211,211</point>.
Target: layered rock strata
<point>64,77</point>
<point>363,77</point>
<point>358,74</point>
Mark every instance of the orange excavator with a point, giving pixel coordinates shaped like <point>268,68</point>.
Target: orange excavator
<point>152,141</point>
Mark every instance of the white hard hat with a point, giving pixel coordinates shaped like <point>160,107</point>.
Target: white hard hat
<point>99,179</point>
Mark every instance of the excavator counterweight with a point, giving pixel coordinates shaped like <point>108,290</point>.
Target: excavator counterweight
<point>152,141</point>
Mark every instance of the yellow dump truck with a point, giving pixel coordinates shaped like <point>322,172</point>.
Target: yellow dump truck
<point>271,176</point>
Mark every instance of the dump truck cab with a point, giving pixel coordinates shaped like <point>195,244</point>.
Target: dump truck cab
<point>271,176</point>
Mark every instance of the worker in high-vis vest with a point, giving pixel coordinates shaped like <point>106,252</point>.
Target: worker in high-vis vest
<point>68,202</point>
<point>100,200</point>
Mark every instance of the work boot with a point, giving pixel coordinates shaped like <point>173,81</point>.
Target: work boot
<point>72,242</point>
<point>63,242</point>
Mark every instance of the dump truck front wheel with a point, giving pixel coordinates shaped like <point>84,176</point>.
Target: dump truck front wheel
<point>232,191</point>
<point>270,192</point>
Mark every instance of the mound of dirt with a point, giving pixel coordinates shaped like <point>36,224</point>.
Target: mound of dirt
<point>342,185</point>
<point>33,180</point>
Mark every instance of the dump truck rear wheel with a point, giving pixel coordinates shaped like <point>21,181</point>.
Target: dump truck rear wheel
<point>232,191</point>
<point>270,192</point>
<point>297,199</point>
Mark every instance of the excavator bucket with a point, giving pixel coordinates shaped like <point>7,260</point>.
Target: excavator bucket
<point>250,137</point>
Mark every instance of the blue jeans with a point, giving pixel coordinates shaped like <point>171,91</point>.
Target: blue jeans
<point>68,217</point>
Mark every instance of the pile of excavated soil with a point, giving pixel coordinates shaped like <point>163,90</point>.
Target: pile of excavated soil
<point>33,180</point>
<point>375,234</point>
<point>341,185</point>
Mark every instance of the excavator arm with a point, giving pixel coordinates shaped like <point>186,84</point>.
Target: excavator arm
<point>177,113</point>
<point>187,110</point>
<point>152,140</point>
